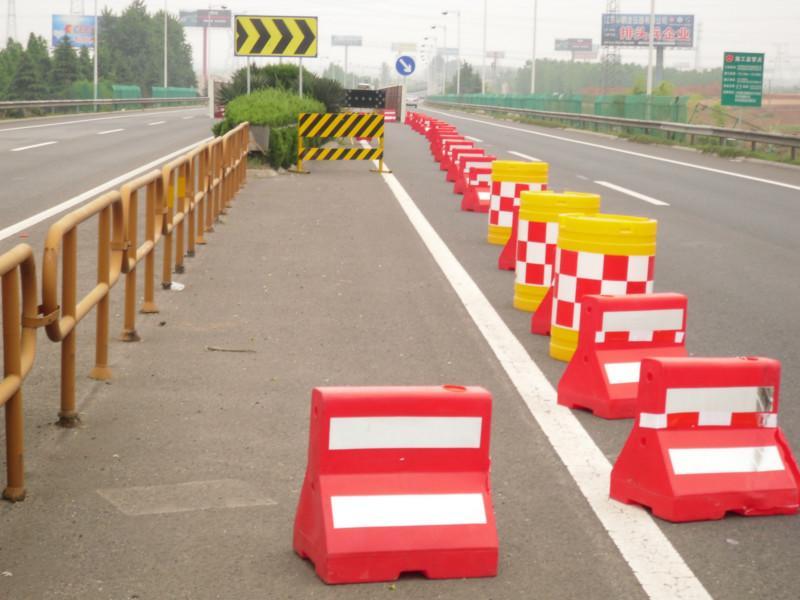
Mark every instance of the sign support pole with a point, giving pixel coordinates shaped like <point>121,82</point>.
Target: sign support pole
<point>300,78</point>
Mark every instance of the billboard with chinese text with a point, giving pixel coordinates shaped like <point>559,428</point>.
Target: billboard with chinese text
<point>634,30</point>
<point>79,29</point>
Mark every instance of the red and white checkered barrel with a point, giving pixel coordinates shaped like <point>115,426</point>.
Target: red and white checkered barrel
<point>537,235</point>
<point>597,254</point>
<point>509,179</point>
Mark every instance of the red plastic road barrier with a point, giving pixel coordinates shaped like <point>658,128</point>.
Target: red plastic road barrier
<point>457,157</point>
<point>543,317</point>
<point>464,164</point>
<point>706,441</point>
<point>436,131</point>
<point>390,116</point>
<point>439,142</point>
<point>468,179</point>
<point>447,151</point>
<point>616,334</point>
<point>398,481</point>
<point>478,194</point>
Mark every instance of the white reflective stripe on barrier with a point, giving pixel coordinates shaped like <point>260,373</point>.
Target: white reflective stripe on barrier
<point>626,372</point>
<point>753,459</point>
<point>643,320</point>
<point>484,194</point>
<point>653,420</point>
<point>363,433</point>
<point>719,399</point>
<point>407,510</point>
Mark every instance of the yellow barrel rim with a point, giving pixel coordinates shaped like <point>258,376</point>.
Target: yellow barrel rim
<point>498,235</point>
<point>563,342</point>
<point>528,297</point>
<point>620,235</point>
<point>547,206</point>
<point>519,171</point>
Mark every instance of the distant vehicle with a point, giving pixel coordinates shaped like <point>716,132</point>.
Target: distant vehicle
<point>365,86</point>
<point>412,101</point>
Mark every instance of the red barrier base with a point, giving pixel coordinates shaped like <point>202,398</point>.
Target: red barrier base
<point>642,475</point>
<point>508,255</point>
<point>472,200</point>
<point>540,320</point>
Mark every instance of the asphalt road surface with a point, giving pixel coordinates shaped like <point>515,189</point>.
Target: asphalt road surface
<point>334,278</point>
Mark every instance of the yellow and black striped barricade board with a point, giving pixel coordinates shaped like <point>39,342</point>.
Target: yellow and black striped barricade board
<point>339,125</point>
<point>275,36</point>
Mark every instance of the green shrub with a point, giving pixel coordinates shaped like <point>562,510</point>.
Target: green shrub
<point>278,110</point>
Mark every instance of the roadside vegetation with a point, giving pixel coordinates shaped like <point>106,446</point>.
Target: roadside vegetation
<point>131,53</point>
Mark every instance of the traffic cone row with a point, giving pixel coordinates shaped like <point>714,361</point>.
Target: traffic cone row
<point>705,439</point>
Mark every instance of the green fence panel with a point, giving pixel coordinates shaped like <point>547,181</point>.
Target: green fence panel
<point>174,92</point>
<point>125,92</point>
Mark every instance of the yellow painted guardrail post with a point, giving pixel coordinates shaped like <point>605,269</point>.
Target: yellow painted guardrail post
<point>62,241</point>
<point>202,194</point>
<point>152,183</point>
<point>20,320</point>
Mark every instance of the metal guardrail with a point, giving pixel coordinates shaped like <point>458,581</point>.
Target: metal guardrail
<point>21,104</point>
<point>753,137</point>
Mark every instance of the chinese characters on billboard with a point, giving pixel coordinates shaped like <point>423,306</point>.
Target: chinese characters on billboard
<point>79,29</point>
<point>634,30</point>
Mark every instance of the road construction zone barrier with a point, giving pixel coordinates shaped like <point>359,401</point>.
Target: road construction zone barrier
<point>398,481</point>
<point>451,146</point>
<point>596,254</point>
<point>364,126</point>
<point>509,179</point>
<point>537,237</point>
<point>461,167</point>
<point>478,184</point>
<point>21,318</point>
<point>440,142</point>
<point>457,156</point>
<point>616,334</point>
<point>706,441</point>
<point>183,200</point>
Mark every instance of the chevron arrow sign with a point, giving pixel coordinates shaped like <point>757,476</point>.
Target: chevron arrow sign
<point>275,36</point>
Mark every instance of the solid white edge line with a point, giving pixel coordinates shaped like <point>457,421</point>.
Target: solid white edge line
<point>631,193</point>
<point>59,208</point>
<point>525,156</point>
<point>653,559</point>
<point>107,131</point>
<point>94,119</point>
<point>21,148</point>
<point>621,151</point>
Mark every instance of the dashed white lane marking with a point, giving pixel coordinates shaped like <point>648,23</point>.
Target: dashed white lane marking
<point>474,139</point>
<point>628,152</point>
<point>582,177</point>
<point>107,131</point>
<point>21,148</point>
<point>189,117</point>
<point>525,156</point>
<point>59,208</point>
<point>631,193</point>
<point>654,561</point>
<point>156,123</point>
<point>94,119</point>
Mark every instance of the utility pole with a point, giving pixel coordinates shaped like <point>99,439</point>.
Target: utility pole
<point>483,67</point>
<point>165,43</point>
<point>96,48</point>
<point>533,44</point>
<point>650,47</point>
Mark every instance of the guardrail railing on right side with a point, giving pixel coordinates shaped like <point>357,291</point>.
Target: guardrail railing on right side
<point>791,142</point>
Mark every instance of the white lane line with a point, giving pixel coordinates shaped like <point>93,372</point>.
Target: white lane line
<point>631,193</point>
<point>21,148</point>
<point>654,561</point>
<point>628,152</point>
<point>189,117</point>
<point>107,131</point>
<point>582,177</point>
<point>93,119</point>
<point>474,139</point>
<point>59,208</point>
<point>525,156</point>
<point>156,123</point>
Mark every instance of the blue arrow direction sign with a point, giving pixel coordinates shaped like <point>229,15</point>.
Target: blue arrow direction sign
<point>405,65</point>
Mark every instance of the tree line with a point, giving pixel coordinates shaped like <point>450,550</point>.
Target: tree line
<point>131,52</point>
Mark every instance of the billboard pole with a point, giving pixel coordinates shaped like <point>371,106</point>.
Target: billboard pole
<point>650,48</point>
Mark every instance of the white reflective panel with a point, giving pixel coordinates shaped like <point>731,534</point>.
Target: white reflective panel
<point>643,320</point>
<point>719,399</point>
<point>361,433</point>
<point>407,510</point>
<point>653,420</point>
<point>627,372</point>
<point>754,459</point>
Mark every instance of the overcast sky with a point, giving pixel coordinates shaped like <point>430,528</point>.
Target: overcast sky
<point>768,26</point>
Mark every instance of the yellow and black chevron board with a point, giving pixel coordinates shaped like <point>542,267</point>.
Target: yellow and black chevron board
<point>341,154</point>
<point>275,36</point>
<point>334,125</point>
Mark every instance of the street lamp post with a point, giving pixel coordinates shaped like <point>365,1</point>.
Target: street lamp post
<point>483,67</point>
<point>458,47</point>
<point>165,43</point>
<point>650,47</point>
<point>96,46</point>
<point>533,51</point>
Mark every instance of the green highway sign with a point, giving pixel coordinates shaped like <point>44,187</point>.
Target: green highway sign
<point>742,79</point>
